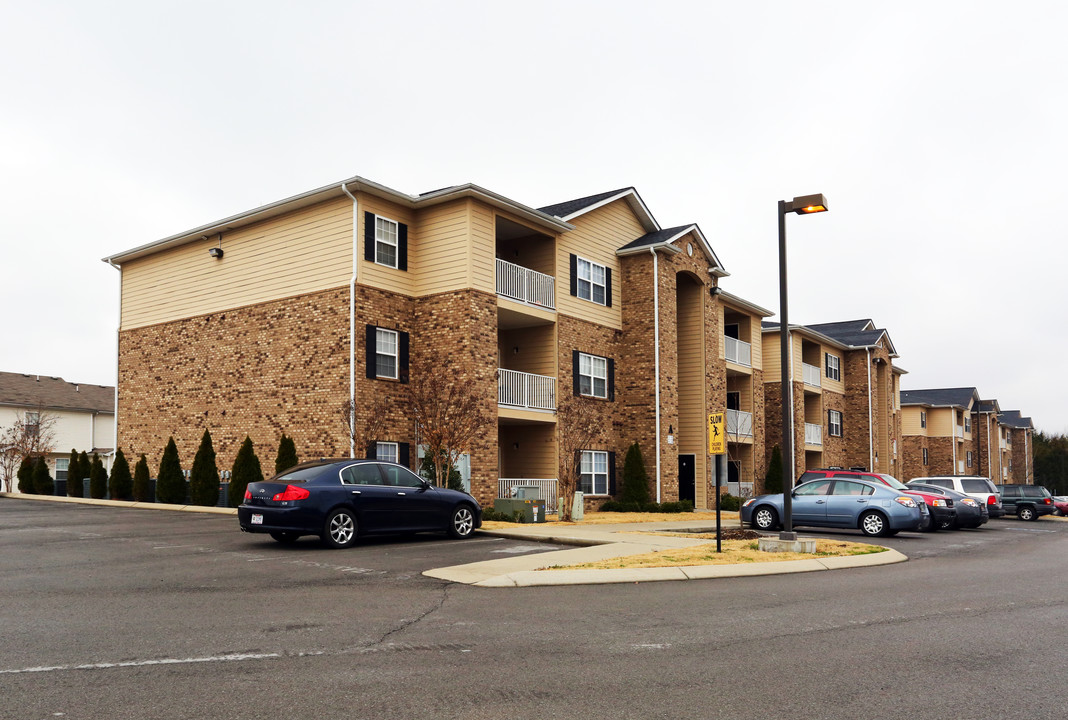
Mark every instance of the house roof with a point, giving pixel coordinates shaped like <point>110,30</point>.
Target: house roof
<point>53,393</point>
<point>571,209</point>
<point>941,397</point>
<point>665,239</point>
<point>744,304</point>
<point>856,333</point>
<point>988,406</point>
<point>1012,418</point>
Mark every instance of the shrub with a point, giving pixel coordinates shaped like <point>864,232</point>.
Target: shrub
<point>86,466</point>
<point>170,484</point>
<point>516,516</point>
<point>121,484</point>
<point>635,479</point>
<point>287,455</point>
<point>730,502</point>
<point>650,507</point>
<point>42,479</point>
<point>141,483</point>
<point>246,470</point>
<point>610,506</point>
<point>25,476</point>
<point>204,477</point>
<point>426,469</point>
<point>98,479</point>
<point>75,473</point>
<point>773,477</point>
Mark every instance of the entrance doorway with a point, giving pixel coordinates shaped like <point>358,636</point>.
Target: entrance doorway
<point>687,486</point>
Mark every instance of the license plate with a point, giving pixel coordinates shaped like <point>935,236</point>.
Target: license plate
<point>257,519</point>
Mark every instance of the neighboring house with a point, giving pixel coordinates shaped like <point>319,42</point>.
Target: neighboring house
<point>267,321</point>
<point>938,431</point>
<point>1019,450</point>
<point>846,390</point>
<point>84,415</point>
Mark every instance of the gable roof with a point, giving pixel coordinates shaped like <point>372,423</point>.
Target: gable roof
<point>571,209</point>
<point>941,397</point>
<point>31,391</point>
<point>1011,418</point>
<point>665,239</point>
<point>988,406</point>
<point>856,333</point>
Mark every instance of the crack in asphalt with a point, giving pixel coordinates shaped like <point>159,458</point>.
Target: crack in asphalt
<point>411,622</point>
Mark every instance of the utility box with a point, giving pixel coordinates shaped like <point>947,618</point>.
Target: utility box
<point>578,506</point>
<point>526,492</point>
<point>532,511</point>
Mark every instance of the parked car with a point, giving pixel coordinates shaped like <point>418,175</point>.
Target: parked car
<point>339,500</point>
<point>876,509</point>
<point>1028,502</point>
<point>976,486</point>
<point>940,509</point>
<point>1060,502</point>
<point>971,513</point>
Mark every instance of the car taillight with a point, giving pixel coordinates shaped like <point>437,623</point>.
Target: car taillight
<point>292,492</point>
<point>991,500</point>
<point>248,495</point>
<point>938,502</point>
<point>1046,500</point>
<point>970,501</point>
<point>906,501</point>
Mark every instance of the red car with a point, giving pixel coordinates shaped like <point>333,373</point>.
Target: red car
<point>942,513</point>
<point>1061,503</point>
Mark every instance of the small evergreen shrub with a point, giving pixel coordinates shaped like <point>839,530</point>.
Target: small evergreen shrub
<point>170,483</point>
<point>98,479</point>
<point>773,477</point>
<point>635,479</point>
<point>86,466</point>
<point>120,486</point>
<point>42,479</point>
<point>730,502</point>
<point>246,470</point>
<point>516,516</point>
<point>287,455</point>
<point>204,477</point>
<point>650,507</point>
<point>75,474</point>
<point>610,506</point>
<point>25,476</point>
<point>141,482</point>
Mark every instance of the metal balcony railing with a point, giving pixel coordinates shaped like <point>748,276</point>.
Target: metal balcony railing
<point>739,423</point>
<point>526,390</point>
<point>810,374</point>
<point>525,285</point>
<point>813,434</point>
<point>738,351</point>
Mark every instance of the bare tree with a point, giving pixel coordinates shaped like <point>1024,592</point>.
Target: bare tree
<point>579,425</point>
<point>10,458</point>
<point>448,410</point>
<point>32,434</point>
<point>365,424</point>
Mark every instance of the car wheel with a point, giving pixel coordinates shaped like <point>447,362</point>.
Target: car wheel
<point>873,524</point>
<point>462,522</point>
<point>339,530</point>
<point>765,518</point>
<point>1025,513</point>
<point>285,537</point>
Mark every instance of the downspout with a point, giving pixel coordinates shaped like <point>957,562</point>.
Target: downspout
<point>656,360</point>
<point>871,430</point>
<point>352,322</point>
<point>117,347</point>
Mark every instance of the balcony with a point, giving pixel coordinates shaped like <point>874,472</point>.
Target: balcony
<point>739,423</point>
<point>738,351</point>
<point>525,285</point>
<point>526,391</point>
<point>959,432</point>
<point>813,434</point>
<point>810,374</point>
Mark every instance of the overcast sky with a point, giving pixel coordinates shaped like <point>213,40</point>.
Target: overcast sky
<point>937,130</point>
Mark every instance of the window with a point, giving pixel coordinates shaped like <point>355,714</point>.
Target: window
<point>833,369</point>
<point>967,423</point>
<point>925,456</point>
<point>362,474</point>
<point>386,347</point>
<point>387,451</point>
<point>834,423</point>
<point>400,477</point>
<point>969,458</point>
<point>33,423</point>
<point>592,281</point>
<point>62,465</point>
<point>822,487</point>
<point>385,242</point>
<point>844,487</point>
<point>593,472</point>
<point>593,375</point>
<point>923,419</point>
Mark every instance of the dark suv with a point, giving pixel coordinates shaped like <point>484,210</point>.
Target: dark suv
<point>942,513</point>
<point>1029,502</point>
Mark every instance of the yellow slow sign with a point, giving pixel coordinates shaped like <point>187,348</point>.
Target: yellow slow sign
<point>717,438</point>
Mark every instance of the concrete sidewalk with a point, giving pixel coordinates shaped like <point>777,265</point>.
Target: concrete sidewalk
<point>602,542</point>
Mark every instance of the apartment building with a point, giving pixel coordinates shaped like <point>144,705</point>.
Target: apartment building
<point>846,390</point>
<point>1018,448</point>
<point>990,452</point>
<point>938,433</point>
<point>79,417</point>
<point>268,321</point>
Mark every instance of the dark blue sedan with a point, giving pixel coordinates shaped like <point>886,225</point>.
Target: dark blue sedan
<point>338,500</point>
<point>873,507</point>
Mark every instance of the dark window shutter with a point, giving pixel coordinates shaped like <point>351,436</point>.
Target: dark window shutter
<point>402,360</point>
<point>404,455</point>
<point>402,246</point>
<point>608,287</point>
<point>611,473</point>
<point>611,379</point>
<point>372,451</point>
<point>576,389</point>
<point>827,364</point>
<point>372,343</point>
<point>369,236</point>
<point>574,275</point>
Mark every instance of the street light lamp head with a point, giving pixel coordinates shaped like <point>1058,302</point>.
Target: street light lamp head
<point>807,204</point>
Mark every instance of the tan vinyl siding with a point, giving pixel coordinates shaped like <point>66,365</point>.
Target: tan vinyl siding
<point>756,338</point>
<point>826,383</point>
<point>940,422</point>
<point>536,455</point>
<point>381,276</point>
<point>596,237</point>
<point>483,263</point>
<point>910,421</point>
<point>537,350</point>
<point>439,248</point>
<point>691,373</point>
<point>301,252</point>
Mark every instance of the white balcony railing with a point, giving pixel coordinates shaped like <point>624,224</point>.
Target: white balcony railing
<point>960,432</point>
<point>526,390</point>
<point>546,489</point>
<point>813,434</point>
<point>810,374</point>
<point>526,285</point>
<point>739,423</point>
<point>738,351</point>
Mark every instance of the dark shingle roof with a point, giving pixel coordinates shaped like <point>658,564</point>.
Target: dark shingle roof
<point>654,238</point>
<point>939,397</point>
<point>1011,418</point>
<point>858,333</point>
<point>562,210</point>
<point>54,393</point>
<point>987,406</point>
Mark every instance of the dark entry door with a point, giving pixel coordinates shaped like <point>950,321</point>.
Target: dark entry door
<point>687,490</point>
<point>734,471</point>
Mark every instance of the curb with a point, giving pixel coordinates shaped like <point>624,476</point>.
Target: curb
<point>123,504</point>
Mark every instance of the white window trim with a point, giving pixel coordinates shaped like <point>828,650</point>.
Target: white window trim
<point>395,355</point>
<point>593,375</point>
<point>383,450</point>
<point>831,425</point>
<point>836,366</point>
<point>924,456</point>
<point>589,459</point>
<point>923,419</point>
<point>589,280</point>
<point>384,240</point>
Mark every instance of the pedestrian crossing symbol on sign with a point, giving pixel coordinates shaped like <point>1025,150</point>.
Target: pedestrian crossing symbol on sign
<point>717,438</point>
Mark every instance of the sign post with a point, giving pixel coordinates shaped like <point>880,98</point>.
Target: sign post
<point>717,446</point>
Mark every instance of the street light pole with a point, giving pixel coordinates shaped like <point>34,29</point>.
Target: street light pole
<point>803,205</point>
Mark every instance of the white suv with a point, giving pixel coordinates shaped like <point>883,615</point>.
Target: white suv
<point>976,486</point>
